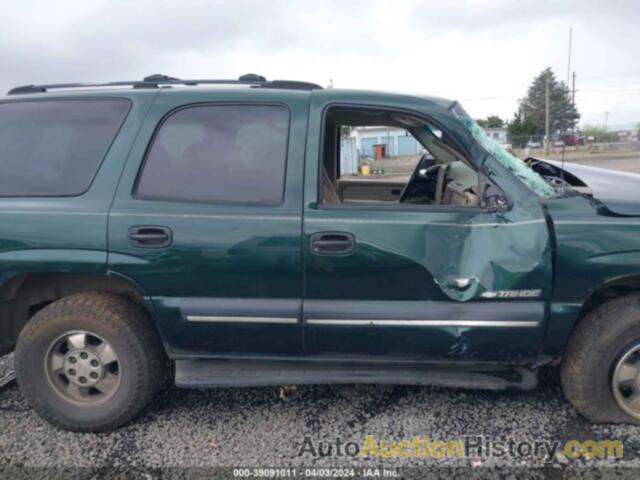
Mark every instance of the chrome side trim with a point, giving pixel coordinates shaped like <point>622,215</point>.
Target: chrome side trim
<point>237,319</point>
<point>423,323</point>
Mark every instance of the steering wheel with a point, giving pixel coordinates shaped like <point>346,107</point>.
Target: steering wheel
<point>413,179</point>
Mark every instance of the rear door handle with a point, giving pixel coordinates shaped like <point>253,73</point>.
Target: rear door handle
<point>150,236</point>
<point>333,243</point>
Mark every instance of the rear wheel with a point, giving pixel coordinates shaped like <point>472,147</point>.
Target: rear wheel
<point>89,362</point>
<point>601,366</point>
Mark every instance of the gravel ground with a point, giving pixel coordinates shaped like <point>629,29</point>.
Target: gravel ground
<point>256,428</point>
<point>186,432</point>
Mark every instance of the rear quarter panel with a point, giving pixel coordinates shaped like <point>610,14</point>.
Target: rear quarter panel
<point>66,234</point>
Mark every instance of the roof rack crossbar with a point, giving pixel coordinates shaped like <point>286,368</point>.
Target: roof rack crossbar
<point>157,80</point>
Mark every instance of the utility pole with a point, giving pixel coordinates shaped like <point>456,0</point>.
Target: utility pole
<point>573,90</point>
<point>546,112</point>
<point>569,61</point>
<point>606,119</point>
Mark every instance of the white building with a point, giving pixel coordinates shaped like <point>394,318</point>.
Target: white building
<point>497,134</point>
<point>397,141</point>
<point>628,135</point>
<point>400,142</point>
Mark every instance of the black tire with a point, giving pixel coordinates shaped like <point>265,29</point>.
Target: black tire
<point>129,332</point>
<point>597,344</point>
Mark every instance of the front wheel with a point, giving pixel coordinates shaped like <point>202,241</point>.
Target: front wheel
<point>601,366</point>
<point>89,362</point>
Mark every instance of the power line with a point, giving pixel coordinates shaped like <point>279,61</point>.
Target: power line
<point>608,90</point>
<point>615,83</point>
<point>569,60</point>
<point>477,99</point>
<point>581,93</point>
<point>618,75</point>
<point>609,112</point>
<point>613,88</point>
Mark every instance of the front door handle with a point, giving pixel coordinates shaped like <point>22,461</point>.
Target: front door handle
<point>332,243</point>
<point>150,236</point>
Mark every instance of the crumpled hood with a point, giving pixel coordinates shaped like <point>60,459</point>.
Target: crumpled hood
<point>618,191</point>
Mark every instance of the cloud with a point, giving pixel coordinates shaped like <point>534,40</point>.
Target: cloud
<point>482,52</point>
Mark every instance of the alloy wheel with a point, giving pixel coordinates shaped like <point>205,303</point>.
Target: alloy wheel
<point>626,381</point>
<point>83,367</point>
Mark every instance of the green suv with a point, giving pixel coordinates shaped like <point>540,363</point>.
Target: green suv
<point>234,228</point>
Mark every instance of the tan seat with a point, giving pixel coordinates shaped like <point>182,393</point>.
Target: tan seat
<point>329,192</point>
<point>457,184</point>
<point>457,194</point>
<point>462,174</point>
<point>442,175</point>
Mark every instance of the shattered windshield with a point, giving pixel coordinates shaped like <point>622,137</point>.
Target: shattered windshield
<point>527,176</point>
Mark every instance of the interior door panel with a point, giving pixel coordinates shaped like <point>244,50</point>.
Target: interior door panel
<point>362,190</point>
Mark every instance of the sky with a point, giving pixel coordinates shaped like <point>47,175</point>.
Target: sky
<point>483,53</point>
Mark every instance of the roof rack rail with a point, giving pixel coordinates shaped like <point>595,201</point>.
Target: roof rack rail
<point>157,80</point>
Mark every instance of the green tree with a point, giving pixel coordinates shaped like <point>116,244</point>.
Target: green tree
<point>345,130</point>
<point>563,115</point>
<point>492,121</point>
<point>520,129</point>
<point>599,134</point>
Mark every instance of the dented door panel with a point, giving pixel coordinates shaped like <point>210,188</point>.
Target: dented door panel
<point>420,255</point>
<point>472,266</point>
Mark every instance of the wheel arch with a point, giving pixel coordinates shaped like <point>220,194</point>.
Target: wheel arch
<point>23,295</point>
<point>612,288</point>
<point>566,317</point>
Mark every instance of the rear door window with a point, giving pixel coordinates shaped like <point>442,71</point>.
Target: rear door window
<point>218,154</point>
<point>55,147</point>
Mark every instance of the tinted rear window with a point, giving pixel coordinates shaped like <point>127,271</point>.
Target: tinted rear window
<point>54,148</point>
<point>219,154</point>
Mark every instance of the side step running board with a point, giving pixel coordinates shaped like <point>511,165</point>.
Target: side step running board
<point>8,381</point>
<point>234,373</point>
